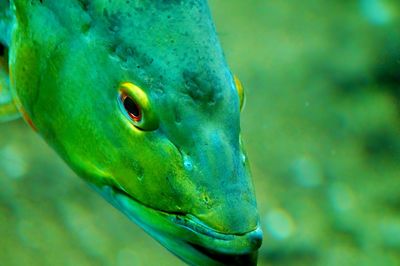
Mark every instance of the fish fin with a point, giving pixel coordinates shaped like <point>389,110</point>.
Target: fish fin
<point>8,110</point>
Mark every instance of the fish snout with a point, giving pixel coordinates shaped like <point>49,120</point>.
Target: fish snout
<point>225,199</point>
<point>235,215</point>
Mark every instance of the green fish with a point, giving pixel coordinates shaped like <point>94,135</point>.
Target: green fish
<point>137,98</point>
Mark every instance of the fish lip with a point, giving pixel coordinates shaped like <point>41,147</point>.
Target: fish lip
<point>182,229</point>
<point>191,222</point>
<point>248,259</point>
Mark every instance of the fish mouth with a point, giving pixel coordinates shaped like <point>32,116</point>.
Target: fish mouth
<point>228,259</point>
<point>185,235</point>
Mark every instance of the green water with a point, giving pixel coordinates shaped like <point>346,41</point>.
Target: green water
<point>321,125</point>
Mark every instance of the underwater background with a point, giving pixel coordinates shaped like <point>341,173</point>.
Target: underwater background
<point>322,130</point>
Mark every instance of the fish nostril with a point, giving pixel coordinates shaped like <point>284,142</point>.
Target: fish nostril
<point>187,162</point>
<point>243,157</point>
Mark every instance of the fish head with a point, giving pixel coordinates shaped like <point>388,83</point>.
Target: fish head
<point>137,98</point>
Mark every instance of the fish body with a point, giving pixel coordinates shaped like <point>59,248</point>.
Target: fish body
<point>137,98</point>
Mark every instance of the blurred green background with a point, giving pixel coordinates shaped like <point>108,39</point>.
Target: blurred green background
<point>322,131</point>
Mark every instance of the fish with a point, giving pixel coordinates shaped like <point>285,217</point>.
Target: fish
<point>137,98</point>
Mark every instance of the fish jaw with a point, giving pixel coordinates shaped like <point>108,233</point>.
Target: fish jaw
<point>185,236</point>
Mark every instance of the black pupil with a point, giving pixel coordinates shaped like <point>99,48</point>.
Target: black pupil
<point>131,107</point>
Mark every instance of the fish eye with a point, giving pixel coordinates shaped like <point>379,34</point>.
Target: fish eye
<point>240,90</point>
<point>136,107</point>
<point>131,107</point>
